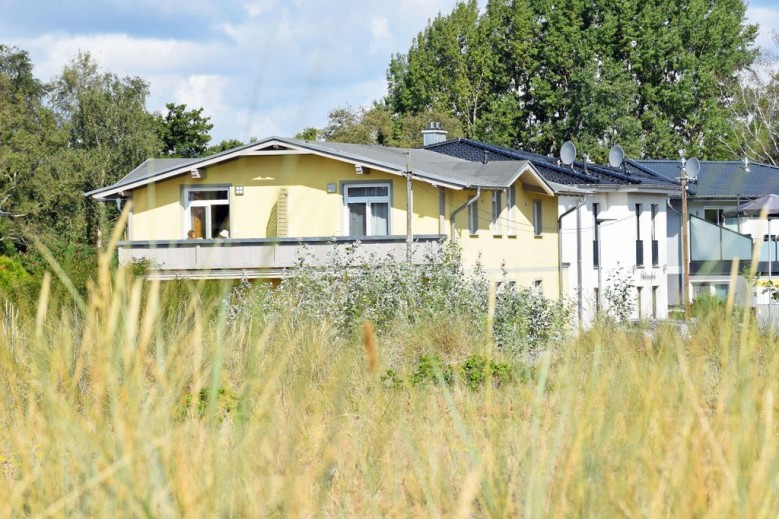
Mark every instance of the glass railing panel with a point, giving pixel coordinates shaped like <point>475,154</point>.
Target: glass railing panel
<point>735,245</point>
<point>704,240</point>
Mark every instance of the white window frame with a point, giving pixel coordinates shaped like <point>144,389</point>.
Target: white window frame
<point>368,201</point>
<point>189,204</point>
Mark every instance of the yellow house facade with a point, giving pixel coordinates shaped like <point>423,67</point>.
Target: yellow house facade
<point>250,211</point>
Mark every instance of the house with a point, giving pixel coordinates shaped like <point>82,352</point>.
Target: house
<point>613,230</point>
<point>250,211</point>
<point>719,240</point>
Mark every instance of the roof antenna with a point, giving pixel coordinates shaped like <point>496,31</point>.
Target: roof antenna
<point>746,165</point>
<point>586,160</point>
<point>617,158</point>
<point>568,153</point>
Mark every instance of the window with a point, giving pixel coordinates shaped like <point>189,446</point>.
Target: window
<point>638,302</point>
<point>654,302</point>
<point>537,214</point>
<point>716,215</point>
<point>655,243</point>
<point>538,285</point>
<point>207,211</point>
<point>511,201</point>
<point>497,208</point>
<point>473,217</point>
<point>367,209</point>
<point>639,243</point>
<point>653,211</point>
<point>639,210</point>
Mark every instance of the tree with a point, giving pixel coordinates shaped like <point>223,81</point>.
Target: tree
<point>754,107</point>
<point>533,73</point>
<point>360,126</point>
<point>308,134</point>
<point>376,125</point>
<point>184,133</point>
<point>109,132</point>
<point>30,187</point>
<point>223,146</point>
<point>446,70</point>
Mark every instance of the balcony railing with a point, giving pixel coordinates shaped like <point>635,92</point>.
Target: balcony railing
<point>713,248</point>
<point>263,258</point>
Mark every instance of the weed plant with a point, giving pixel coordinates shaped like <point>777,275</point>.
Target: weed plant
<point>144,400</point>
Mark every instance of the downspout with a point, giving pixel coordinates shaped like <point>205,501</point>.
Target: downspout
<point>409,212</point>
<point>454,213</point>
<point>560,245</point>
<point>579,294</point>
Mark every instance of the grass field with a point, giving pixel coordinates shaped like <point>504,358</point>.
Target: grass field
<point>133,404</point>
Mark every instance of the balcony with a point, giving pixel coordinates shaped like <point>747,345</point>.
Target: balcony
<point>713,249</point>
<point>271,258</point>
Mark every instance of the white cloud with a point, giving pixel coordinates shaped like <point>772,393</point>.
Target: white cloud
<point>203,90</point>
<point>118,53</point>
<point>380,34</point>
<point>768,20</point>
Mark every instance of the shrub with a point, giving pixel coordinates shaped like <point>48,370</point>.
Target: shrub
<point>13,276</point>
<point>226,402</point>
<point>431,369</point>
<point>353,287</point>
<point>78,261</point>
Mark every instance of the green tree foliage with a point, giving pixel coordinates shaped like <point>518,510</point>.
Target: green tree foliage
<point>109,132</point>
<point>308,134</point>
<point>184,133</point>
<point>534,73</point>
<point>447,69</point>
<point>376,125</point>
<point>30,182</point>
<point>225,145</point>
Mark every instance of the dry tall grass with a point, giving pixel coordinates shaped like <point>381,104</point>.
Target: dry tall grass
<point>102,414</point>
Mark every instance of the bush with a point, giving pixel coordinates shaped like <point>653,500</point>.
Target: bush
<point>13,276</point>
<point>78,261</point>
<point>475,373</point>
<point>354,287</point>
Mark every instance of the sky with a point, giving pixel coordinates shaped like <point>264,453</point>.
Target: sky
<point>257,67</point>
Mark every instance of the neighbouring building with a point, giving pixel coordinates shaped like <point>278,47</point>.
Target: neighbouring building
<point>720,241</point>
<point>612,230</point>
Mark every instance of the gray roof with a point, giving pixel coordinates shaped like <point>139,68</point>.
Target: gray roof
<point>578,173</point>
<point>434,167</point>
<point>721,179</point>
<point>151,167</point>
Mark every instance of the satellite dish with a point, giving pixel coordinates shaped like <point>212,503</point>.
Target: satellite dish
<point>693,167</point>
<point>616,156</point>
<point>568,153</point>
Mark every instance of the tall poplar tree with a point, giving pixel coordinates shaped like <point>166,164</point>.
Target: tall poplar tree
<point>647,74</point>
